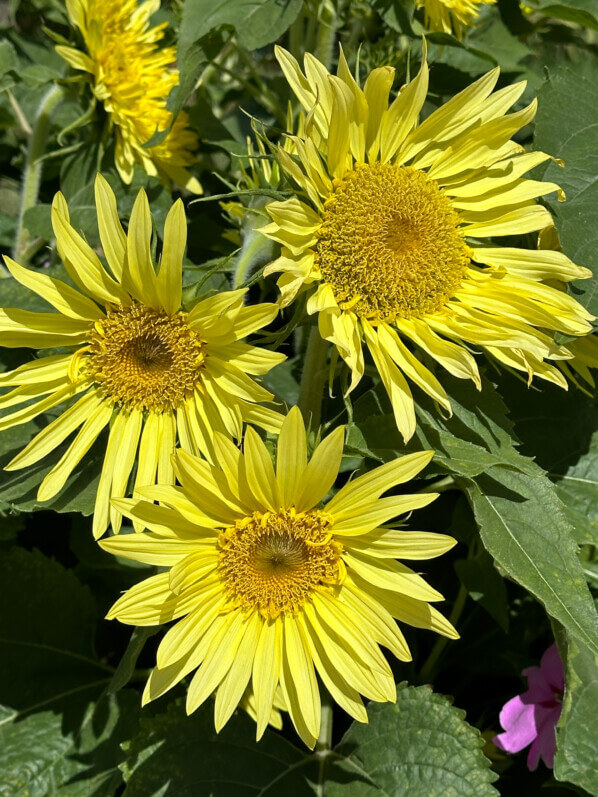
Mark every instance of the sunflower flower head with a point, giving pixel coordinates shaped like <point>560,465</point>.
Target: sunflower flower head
<point>269,585</point>
<point>451,16</point>
<point>132,358</point>
<point>387,225</point>
<point>132,76</point>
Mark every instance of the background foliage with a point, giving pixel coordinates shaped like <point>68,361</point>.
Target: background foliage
<point>520,484</point>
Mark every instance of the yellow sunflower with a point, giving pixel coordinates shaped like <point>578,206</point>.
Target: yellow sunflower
<point>130,357</point>
<point>448,16</point>
<point>133,77</point>
<point>386,229</point>
<point>269,586</point>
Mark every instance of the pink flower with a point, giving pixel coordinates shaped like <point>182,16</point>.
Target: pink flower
<point>531,718</point>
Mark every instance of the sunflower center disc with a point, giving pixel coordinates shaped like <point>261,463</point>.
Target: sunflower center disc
<point>273,562</point>
<point>390,244</point>
<point>145,358</point>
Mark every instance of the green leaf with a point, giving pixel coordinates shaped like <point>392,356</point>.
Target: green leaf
<point>575,759</point>
<point>566,128</point>
<point>8,57</point>
<point>18,489</point>
<point>419,747</point>
<point>489,42</point>
<point>175,755</point>
<point>48,664</point>
<point>257,22</point>
<point>581,12</point>
<point>46,635</point>
<point>38,757</point>
<point>126,666</point>
<point>523,526</point>
<point>485,586</point>
<point>569,452</point>
<point>578,489</point>
<point>33,755</point>
<point>38,221</point>
<point>476,437</point>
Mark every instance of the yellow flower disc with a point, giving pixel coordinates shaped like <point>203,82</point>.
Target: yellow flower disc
<point>272,563</point>
<point>145,358</point>
<point>390,243</point>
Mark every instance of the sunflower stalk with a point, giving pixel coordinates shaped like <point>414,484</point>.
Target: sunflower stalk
<point>324,743</point>
<point>326,34</point>
<point>34,164</point>
<point>313,378</point>
<point>427,671</point>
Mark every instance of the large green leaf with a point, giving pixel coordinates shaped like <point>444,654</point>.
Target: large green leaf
<point>575,759</point>
<point>18,489</point>
<point>485,585</point>
<point>179,756</point>
<point>477,436</point>
<point>581,12</point>
<point>419,747</point>
<point>523,526</point>
<point>567,128</point>
<point>257,22</point>
<point>63,732</point>
<point>559,428</point>
<point>32,755</point>
<point>38,757</point>
<point>578,490</point>
<point>46,635</point>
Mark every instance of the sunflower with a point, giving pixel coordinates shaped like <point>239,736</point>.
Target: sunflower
<point>448,16</point>
<point>269,586</point>
<point>133,77</point>
<point>130,357</point>
<point>386,225</point>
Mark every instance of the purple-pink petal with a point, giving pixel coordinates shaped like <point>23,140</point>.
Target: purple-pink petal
<point>544,746</point>
<point>531,718</point>
<point>552,667</point>
<point>539,691</point>
<point>517,719</point>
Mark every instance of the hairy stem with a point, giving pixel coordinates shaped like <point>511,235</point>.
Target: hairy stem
<point>313,378</point>
<point>33,163</point>
<point>326,33</point>
<point>324,744</point>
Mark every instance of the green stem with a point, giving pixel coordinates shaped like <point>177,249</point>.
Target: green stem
<point>428,668</point>
<point>313,378</point>
<point>326,33</point>
<point>33,163</point>
<point>297,37</point>
<point>324,744</point>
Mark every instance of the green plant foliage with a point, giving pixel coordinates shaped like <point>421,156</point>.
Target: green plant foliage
<point>178,755</point>
<point>421,746</point>
<point>580,12</point>
<point>257,22</point>
<point>38,757</point>
<point>60,730</point>
<point>566,128</point>
<point>515,465</point>
<point>43,662</point>
<point>523,526</point>
<point>576,752</point>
